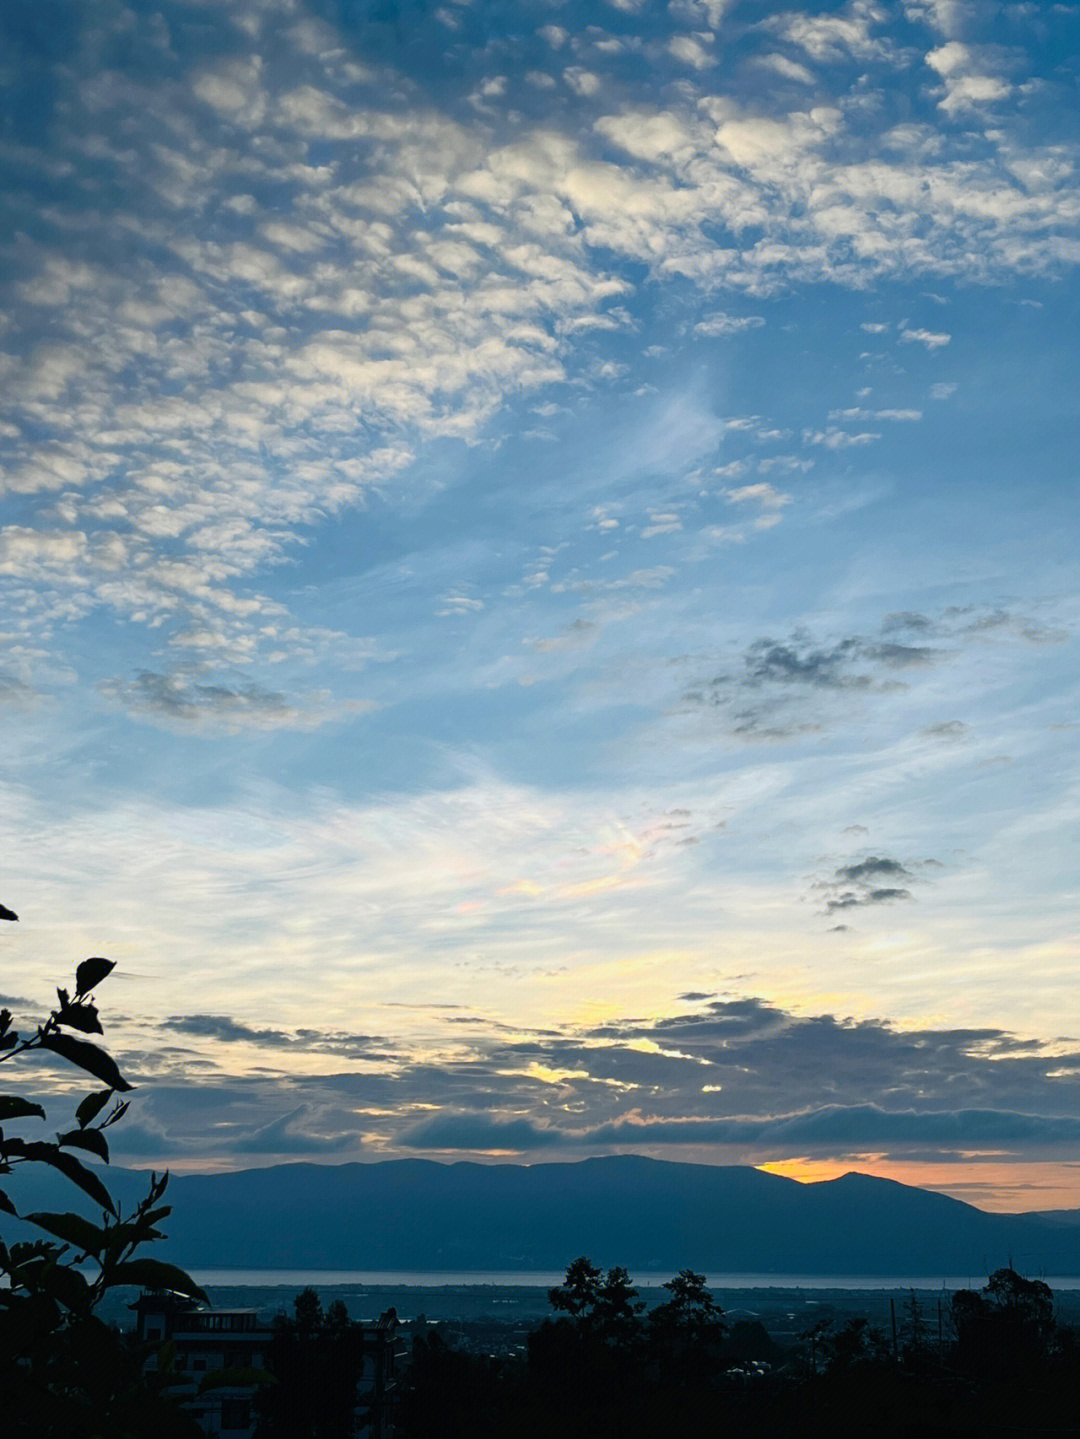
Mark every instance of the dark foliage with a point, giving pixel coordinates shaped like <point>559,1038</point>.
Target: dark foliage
<point>602,1369</point>
<point>63,1372</point>
<point>316,1359</point>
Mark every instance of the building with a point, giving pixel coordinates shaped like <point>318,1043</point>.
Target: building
<point>204,1342</point>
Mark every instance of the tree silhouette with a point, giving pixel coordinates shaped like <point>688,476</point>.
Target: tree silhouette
<point>62,1370</point>
<point>316,1359</point>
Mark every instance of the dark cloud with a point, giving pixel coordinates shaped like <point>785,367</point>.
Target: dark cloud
<point>909,620</point>
<point>15,693</point>
<point>179,699</point>
<point>220,1026</point>
<point>946,730</point>
<point>875,867</point>
<point>470,1131</point>
<point>847,664</point>
<point>780,688</point>
<point>901,656</point>
<point>839,1127</point>
<point>232,1031</point>
<point>287,1135</point>
<point>1008,624</point>
<point>735,1080</point>
<point>851,886</point>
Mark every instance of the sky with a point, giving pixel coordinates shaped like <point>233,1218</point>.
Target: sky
<point>539,599</point>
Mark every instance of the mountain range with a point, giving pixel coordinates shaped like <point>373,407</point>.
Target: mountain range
<point>653,1216</point>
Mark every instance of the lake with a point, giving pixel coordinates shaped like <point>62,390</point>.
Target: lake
<point>544,1279</point>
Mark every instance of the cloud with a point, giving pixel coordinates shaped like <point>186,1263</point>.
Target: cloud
<point>692,50</point>
<point>946,730</point>
<point>721,323</point>
<point>932,339</point>
<point>949,17</point>
<point>967,82</point>
<point>834,439</point>
<point>839,1129</point>
<point>837,37</point>
<point>220,1026</point>
<point>328,271</point>
<point>715,1078</point>
<point>477,1132</point>
<point>877,879</point>
<point>786,68</point>
<point>287,1135</point>
<point>781,688</point>
<point>16,692</point>
<point>320,1041</point>
<point>181,701</point>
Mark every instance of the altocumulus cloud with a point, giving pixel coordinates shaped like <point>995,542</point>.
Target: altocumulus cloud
<point>324,267</point>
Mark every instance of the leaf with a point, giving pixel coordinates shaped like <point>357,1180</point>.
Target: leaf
<point>90,1139</point>
<point>91,972</point>
<point>12,1107</point>
<point>6,1205</point>
<point>130,1232</point>
<point>118,1113</point>
<point>91,1107</point>
<point>87,1056</point>
<point>153,1215</point>
<point>80,1016</point>
<point>72,1229</point>
<point>156,1274</point>
<point>68,1165</point>
<point>6,913</point>
<point>68,1285</point>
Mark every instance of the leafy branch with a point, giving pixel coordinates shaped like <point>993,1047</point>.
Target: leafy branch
<point>43,1285</point>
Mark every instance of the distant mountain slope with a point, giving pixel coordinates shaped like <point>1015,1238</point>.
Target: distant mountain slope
<point>651,1215</point>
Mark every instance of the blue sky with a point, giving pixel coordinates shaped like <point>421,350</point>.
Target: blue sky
<point>539,576</point>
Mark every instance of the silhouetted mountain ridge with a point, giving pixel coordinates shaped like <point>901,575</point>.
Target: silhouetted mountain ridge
<point>653,1216</point>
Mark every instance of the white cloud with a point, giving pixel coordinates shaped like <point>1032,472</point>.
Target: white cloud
<point>693,50</point>
<point>787,68</point>
<point>967,78</point>
<point>932,339</point>
<point>722,323</point>
<point>949,17</point>
<point>763,494</point>
<point>326,274</point>
<point>834,37</point>
<point>584,83</point>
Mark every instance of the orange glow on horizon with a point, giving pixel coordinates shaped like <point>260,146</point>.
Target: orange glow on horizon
<point>994,1186</point>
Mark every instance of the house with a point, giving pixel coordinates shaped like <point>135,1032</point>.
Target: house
<point>206,1340</point>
